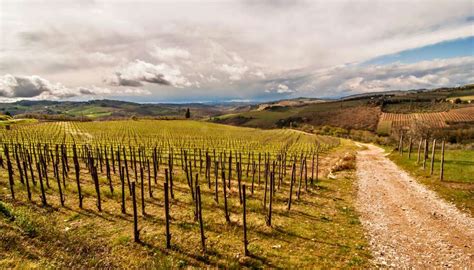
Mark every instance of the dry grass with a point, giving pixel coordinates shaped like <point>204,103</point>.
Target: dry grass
<point>347,162</point>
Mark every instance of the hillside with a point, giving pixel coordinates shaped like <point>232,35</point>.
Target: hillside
<point>360,112</point>
<point>366,112</point>
<point>105,109</point>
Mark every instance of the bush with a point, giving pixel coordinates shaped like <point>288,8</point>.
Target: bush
<point>347,162</point>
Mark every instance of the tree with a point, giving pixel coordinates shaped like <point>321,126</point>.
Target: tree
<point>8,113</point>
<point>188,113</point>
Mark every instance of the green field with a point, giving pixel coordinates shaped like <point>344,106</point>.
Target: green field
<point>322,228</point>
<point>384,128</point>
<point>458,184</point>
<point>90,111</point>
<point>463,98</point>
<point>16,122</point>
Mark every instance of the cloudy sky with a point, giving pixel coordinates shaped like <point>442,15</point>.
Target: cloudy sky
<point>161,51</point>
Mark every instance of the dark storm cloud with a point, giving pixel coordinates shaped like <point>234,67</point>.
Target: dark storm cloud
<point>119,80</point>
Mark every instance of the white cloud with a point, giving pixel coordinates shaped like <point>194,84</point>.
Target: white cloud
<point>235,72</point>
<point>279,88</point>
<point>353,79</point>
<point>34,87</point>
<point>170,54</point>
<point>138,72</point>
<point>101,58</point>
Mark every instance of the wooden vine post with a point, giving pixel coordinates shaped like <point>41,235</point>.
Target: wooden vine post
<point>410,145</point>
<point>77,171</point>
<point>419,151</point>
<point>97,187</point>
<point>43,194</point>
<point>298,194</point>
<point>10,171</point>
<point>27,181</point>
<point>441,169</point>
<point>227,217</point>
<point>142,191</point>
<point>293,170</point>
<point>244,203</point>
<point>216,172</point>
<point>136,233</point>
<point>122,181</point>
<point>425,153</point>
<point>400,145</point>
<point>201,226</point>
<point>167,212</point>
<point>272,183</point>
<point>60,189</point>
<point>433,157</point>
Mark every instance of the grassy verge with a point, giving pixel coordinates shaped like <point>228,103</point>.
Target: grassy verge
<point>322,230</point>
<point>458,184</point>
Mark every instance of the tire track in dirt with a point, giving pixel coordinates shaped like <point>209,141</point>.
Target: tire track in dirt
<point>409,226</point>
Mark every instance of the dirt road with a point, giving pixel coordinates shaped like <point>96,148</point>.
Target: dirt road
<point>409,226</point>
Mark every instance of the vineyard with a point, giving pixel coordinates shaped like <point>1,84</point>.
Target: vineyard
<point>173,193</point>
<point>434,120</point>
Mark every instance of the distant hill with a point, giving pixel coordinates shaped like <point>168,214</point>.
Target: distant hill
<point>106,109</point>
<point>360,112</point>
<point>357,112</point>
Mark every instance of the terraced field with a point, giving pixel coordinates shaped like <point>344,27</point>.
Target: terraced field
<point>435,120</point>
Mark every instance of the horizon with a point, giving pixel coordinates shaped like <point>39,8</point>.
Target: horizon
<point>210,102</point>
<point>255,51</point>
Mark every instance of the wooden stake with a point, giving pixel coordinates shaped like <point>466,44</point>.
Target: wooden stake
<point>122,181</point>
<point>43,195</point>
<point>167,213</point>
<point>142,190</point>
<point>246,251</point>
<point>136,233</point>
<point>410,145</point>
<point>201,226</point>
<point>419,151</point>
<point>77,171</point>
<point>425,154</point>
<point>10,171</point>
<point>272,183</point>
<point>441,173</point>
<point>293,172</point>
<point>433,156</point>
<point>227,217</point>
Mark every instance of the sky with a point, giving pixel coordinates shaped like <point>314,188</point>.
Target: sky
<point>247,50</point>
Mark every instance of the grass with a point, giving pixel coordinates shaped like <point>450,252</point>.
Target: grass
<point>463,98</point>
<point>384,128</point>
<point>12,122</point>
<point>322,229</point>
<point>458,184</point>
<point>90,111</point>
